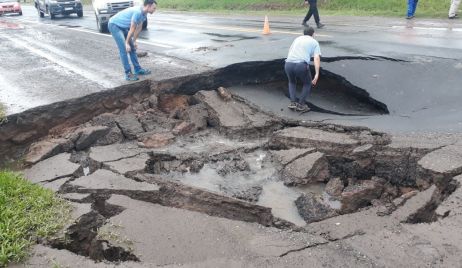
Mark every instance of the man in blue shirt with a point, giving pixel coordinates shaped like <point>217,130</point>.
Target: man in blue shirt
<point>297,67</point>
<point>125,27</point>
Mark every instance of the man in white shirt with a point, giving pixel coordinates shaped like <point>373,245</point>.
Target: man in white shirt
<point>297,67</point>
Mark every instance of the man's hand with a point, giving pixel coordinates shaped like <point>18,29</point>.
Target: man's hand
<point>305,3</point>
<point>135,45</point>
<point>315,80</point>
<point>127,47</point>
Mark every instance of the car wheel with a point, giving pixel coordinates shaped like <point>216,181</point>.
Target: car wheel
<point>20,13</point>
<point>145,25</point>
<point>80,14</point>
<point>102,27</point>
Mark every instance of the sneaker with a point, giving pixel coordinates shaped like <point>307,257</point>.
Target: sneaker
<point>410,17</point>
<point>453,17</point>
<point>302,108</point>
<point>143,71</point>
<point>320,25</point>
<point>131,77</point>
<point>305,24</point>
<point>292,105</point>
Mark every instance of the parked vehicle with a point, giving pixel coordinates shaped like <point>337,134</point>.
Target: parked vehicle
<point>10,6</point>
<point>58,7</point>
<point>105,9</point>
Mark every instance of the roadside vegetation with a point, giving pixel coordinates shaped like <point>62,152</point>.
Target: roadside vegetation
<point>427,8</point>
<point>2,113</point>
<point>28,212</point>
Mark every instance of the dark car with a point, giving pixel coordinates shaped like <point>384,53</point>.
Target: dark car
<point>10,6</point>
<point>58,7</point>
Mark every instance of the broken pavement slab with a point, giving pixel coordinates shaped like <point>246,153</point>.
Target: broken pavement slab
<point>108,180</point>
<point>196,238</point>
<point>52,168</point>
<point>47,148</point>
<point>235,116</point>
<point>286,156</point>
<point>131,164</point>
<point>452,205</point>
<point>115,152</point>
<point>303,137</point>
<point>312,167</point>
<point>56,184</point>
<point>446,160</point>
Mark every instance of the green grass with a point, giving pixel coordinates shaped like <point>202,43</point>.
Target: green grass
<point>27,212</point>
<point>427,8</point>
<point>2,114</point>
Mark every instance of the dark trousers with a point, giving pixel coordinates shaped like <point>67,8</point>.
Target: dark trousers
<point>313,11</point>
<point>300,71</point>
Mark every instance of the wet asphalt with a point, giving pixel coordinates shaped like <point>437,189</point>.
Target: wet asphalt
<point>414,67</point>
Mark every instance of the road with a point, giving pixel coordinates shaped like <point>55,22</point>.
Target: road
<point>416,69</point>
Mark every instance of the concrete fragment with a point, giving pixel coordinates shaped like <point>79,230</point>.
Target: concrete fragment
<point>286,156</point>
<point>310,168</point>
<point>75,196</point>
<point>105,179</point>
<point>47,148</point>
<point>183,128</point>
<point>115,152</point>
<point>156,140</point>
<point>224,94</point>
<point>196,114</point>
<point>113,136</point>
<point>54,167</point>
<point>312,208</point>
<point>89,135</point>
<point>303,137</point>
<point>359,195</point>
<point>129,125</point>
<point>334,187</point>
<point>123,166</point>
<point>55,185</point>
<point>168,103</point>
<point>445,160</point>
<point>452,206</point>
<point>416,206</point>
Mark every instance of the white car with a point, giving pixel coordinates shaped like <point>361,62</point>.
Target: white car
<point>105,9</point>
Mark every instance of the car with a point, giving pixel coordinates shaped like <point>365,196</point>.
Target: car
<point>105,9</point>
<point>10,6</point>
<point>58,7</point>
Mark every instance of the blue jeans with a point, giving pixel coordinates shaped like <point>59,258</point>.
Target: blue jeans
<point>411,6</point>
<point>120,35</point>
<point>300,71</point>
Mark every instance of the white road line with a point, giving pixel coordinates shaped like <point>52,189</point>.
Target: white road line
<point>96,33</point>
<point>95,77</point>
<point>429,28</point>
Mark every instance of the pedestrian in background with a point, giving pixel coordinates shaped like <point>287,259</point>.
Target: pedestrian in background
<point>297,67</point>
<point>125,27</point>
<point>312,11</point>
<point>453,9</point>
<point>411,7</point>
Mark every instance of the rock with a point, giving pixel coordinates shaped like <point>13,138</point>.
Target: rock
<point>312,208</point>
<point>452,205</point>
<point>183,128</point>
<point>234,167</point>
<point>286,156</point>
<point>113,136</point>
<point>156,140</point>
<point>153,101</point>
<point>115,152</point>
<point>141,54</point>
<point>106,119</point>
<point>47,148</point>
<point>168,103</point>
<point>303,137</point>
<point>88,136</point>
<point>129,125</point>
<point>397,202</point>
<point>310,168</point>
<point>52,168</point>
<point>250,194</point>
<point>334,187</point>
<point>224,94</point>
<point>359,195</point>
<point>196,114</point>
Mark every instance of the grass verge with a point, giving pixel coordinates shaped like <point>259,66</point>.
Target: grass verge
<point>28,212</point>
<point>2,114</point>
<point>428,8</point>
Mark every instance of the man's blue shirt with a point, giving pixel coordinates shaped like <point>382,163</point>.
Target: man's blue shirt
<point>124,18</point>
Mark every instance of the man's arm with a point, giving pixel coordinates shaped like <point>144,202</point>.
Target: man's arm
<point>130,34</point>
<point>317,65</point>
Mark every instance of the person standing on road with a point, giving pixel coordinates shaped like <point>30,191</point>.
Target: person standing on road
<point>453,9</point>
<point>312,11</point>
<point>297,67</point>
<point>125,27</point>
<point>411,7</point>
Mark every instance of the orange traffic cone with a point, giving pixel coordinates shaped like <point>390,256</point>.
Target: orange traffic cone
<point>266,28</point>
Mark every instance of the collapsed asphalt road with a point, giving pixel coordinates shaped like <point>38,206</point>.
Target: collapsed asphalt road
<point>210,180</point>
